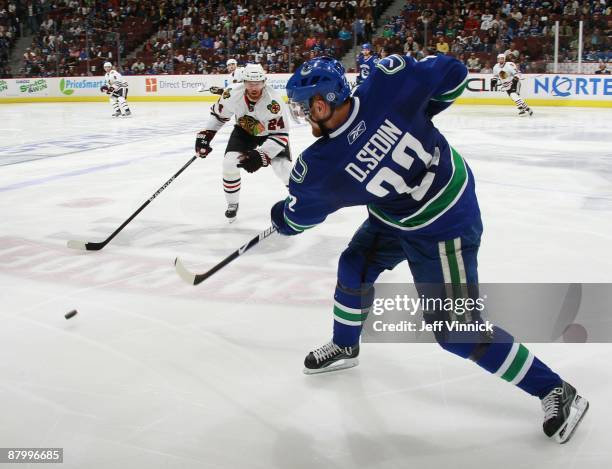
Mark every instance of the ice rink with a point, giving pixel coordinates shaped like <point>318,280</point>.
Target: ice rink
<point>154,373</point>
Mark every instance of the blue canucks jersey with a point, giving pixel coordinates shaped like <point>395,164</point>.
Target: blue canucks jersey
<point>389,156</point>
<point>366,67</point>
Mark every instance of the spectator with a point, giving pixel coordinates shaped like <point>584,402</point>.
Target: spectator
<point>596,39</point>
<point>138,67</point>
<point>387,32</point>
<point>475,42</point>
<point>207,42</point>
<point>442,45</point>
<point>411,47</point>
<point>344,34</point>
<point>473,63</point>
<point>471,22</point>
<point>31,14</point>
<point>486,45</point>
<point>359,30</point>
<point>487,68</point>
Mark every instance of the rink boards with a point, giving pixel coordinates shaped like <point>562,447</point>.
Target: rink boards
<point>538,90</point>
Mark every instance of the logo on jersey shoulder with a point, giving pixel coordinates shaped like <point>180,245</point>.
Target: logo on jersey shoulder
<point>306,69</point>
<point>356,132</point>
<point>251,125</point>
<point>226,93</point>
<point>298,173</point>
<point>391,64</point>
<point>274,107</point>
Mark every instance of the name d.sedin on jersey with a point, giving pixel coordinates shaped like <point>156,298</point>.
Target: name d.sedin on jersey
<point>374,150</point>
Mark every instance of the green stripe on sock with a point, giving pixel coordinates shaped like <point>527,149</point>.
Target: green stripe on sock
<point>517,363</point>
<point>350,316</point>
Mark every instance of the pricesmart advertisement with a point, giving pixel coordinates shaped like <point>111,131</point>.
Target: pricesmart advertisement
<point>547,89</point>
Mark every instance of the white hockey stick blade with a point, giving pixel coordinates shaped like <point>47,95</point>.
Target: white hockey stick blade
<point>183,272</point>
<point>73,244</point>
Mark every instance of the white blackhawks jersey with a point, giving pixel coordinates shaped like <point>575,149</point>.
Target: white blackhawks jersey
<point>115,79</point>
<point>236,75</point>
<point>267,117</point>
<point>505,73</point>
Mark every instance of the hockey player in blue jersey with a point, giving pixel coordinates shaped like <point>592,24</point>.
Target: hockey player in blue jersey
<point>380,148</point>
<point>365,63</point>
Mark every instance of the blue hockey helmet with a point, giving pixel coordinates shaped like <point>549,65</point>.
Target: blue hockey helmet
<point>322,76</point>
<point>367,46</point>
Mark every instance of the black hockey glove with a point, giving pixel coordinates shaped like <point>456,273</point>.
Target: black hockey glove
<point>202,143</point>
<point>253,160</point>
<point>104,89</point>
<point>493,83</point>
<point>216,90</point>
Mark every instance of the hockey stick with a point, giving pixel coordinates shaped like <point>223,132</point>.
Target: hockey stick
<point>195,279</point>
<point>93,246</point>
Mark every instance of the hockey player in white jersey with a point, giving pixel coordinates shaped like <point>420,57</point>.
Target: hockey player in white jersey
<point>116,86</point>
<point>508,76</point>
<point>260,137</point>
<point>235,73</point>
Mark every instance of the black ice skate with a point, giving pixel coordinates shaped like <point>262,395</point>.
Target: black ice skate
<point>117,114</point>
<point>563,411</point>
<point>331,357</point>
<point>127,113</point>
<point>231,212</point>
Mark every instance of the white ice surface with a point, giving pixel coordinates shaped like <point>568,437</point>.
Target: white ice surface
<point>154,373</point>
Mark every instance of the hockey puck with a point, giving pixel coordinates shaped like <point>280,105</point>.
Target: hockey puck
<point>70,314</point>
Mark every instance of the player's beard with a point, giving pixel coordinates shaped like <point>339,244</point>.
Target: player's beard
<point>316,130</point>
<point>318,126</point>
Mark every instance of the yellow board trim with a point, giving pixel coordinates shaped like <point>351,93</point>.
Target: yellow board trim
<point>210,99</point>
<point>537,102</point>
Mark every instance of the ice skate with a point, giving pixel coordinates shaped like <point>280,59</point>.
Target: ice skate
<point>231,212</point>
<point>331,357</point>
<point>563,411</point>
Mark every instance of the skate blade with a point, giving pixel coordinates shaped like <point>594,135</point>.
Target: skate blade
<point>336,366</point>
<point>231,220</point>
<point>580,406</point>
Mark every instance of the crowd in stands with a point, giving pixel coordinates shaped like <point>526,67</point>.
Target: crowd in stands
<point>74,37</point>
<point>278,35</point>
<point>10,17</point>
<point>476,31</point>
